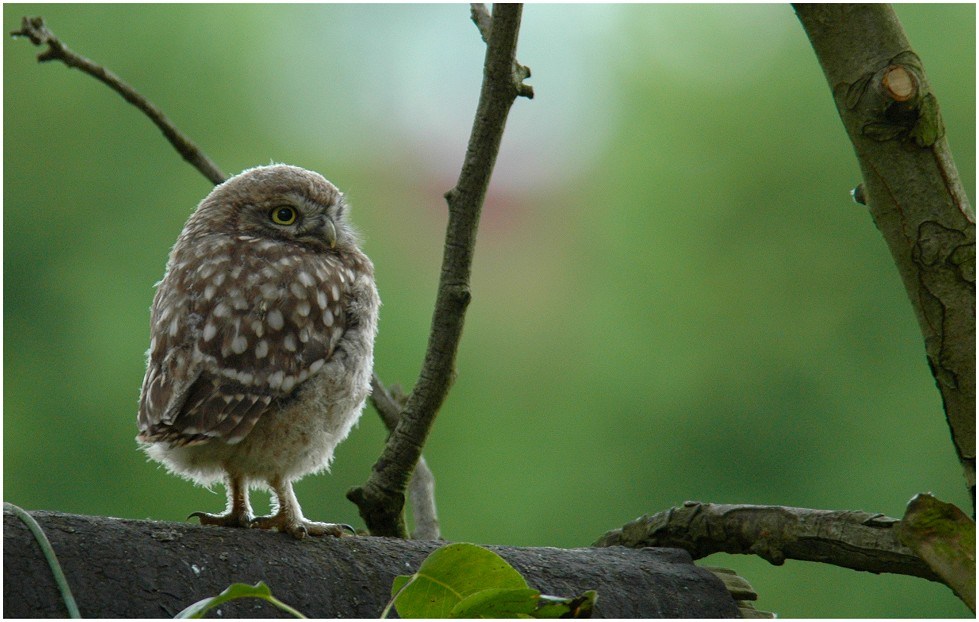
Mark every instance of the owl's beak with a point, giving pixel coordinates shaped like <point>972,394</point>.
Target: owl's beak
<point>330,233</point>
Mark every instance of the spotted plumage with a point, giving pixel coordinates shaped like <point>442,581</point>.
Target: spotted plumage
<point>261,346</point>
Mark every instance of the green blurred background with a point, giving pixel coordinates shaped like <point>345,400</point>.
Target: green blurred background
<point>673,295</point>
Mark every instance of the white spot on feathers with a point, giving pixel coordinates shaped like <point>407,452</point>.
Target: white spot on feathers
<point>275,319</point>
<point>239,344</point>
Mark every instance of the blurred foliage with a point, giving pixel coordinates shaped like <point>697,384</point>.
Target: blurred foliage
<point>674,296</point>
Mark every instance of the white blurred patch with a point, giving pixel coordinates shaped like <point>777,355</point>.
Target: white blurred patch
<point>712,45</point>
<point>402,81</point>
<point>399,83</point>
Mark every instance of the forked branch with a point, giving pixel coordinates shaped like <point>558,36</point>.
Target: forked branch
<point>381,498</point>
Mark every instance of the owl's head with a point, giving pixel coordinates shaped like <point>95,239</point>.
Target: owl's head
<point>279,201</point>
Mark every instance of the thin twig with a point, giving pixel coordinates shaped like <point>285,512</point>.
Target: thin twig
<point>35,29</point>
<point>857,540</point>
<point>421,496</point>
<point>381,498</point>
<point>421,488</point>
<point>480,16</point>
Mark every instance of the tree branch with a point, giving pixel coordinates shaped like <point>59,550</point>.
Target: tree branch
<point>912,189</point>
<point>120,568</point>
<point>482,18</point>
<point>484,22</point>
<point>857,540</point>
<point>34,29</point>
<point>421,488</point>
<point>381,499</point>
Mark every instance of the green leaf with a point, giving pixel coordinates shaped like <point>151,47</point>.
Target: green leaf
<point>399,582</point>
<point>448,576</point>
<point>558,607</point>
<point>234,592</point>
<point>497,603</point>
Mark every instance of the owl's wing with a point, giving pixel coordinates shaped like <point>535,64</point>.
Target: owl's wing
<point>237,351</point>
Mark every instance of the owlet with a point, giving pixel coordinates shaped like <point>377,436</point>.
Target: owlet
<point>262,341</point>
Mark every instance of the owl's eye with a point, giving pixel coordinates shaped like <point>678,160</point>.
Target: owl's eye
<point>283,215</point>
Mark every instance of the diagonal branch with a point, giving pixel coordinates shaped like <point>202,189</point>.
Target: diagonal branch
<point>912,189</point>
<point>34,29</point>
<point>381,498</point>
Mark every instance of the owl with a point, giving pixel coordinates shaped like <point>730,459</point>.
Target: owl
<point>261,343</point>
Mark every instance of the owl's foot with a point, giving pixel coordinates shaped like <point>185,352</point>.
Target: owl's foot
<point>231,519</point>
<point>300,528</point>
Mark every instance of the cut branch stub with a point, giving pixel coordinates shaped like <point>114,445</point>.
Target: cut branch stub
<point>899,83</point>
<point>910,111</point>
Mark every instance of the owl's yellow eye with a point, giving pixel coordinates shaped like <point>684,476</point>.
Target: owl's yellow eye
<point>283,215</point>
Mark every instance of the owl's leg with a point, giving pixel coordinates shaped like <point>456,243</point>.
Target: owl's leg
<point>289,516</point>
<point>239,512</point>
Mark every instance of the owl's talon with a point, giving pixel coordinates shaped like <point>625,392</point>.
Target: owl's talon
<point>223,520</point>
<point>301,528</point>
<point>349,528</point>
<point>326,529</point>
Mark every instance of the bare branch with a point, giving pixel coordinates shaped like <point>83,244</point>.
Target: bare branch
<point>857,540</point>
<point>945,538</point>
<point>912,189</point>
<point>386,405</point>
<point>34,29</point>
<point>421,488</point>
<point>381,498</point>
<point>482,18</point>
<point>421,496</point>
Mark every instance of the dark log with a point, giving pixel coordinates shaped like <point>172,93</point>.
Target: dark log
<point>140,568</point>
